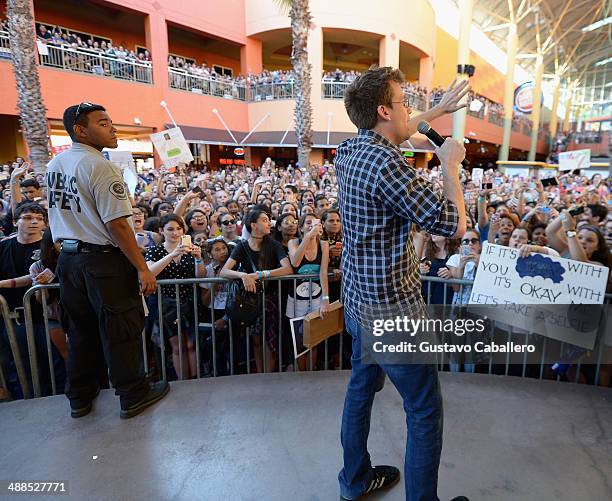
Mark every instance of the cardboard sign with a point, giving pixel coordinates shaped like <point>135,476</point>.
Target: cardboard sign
<point>512,284</point>
<point>317,329</point>
<point>577,159</point>
<point>172,147</point>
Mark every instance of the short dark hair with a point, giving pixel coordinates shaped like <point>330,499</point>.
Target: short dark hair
<point>168,218</point>
<point>320,197</point>
<point>30,182</point>
<point>292,187</point>
<point>599,211</point>
<point>70,118</point>
<point>29,207</point>
<point>367,92</point>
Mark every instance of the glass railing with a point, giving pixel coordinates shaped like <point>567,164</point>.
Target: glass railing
<point>86,61</point>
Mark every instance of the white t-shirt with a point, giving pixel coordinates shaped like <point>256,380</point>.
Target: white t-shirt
<point>469,272</point>
<point>220,296</point>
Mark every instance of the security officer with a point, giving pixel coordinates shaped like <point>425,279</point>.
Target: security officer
<point>99,268</point>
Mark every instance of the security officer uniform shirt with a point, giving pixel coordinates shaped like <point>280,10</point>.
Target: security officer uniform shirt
<point>85,191</point>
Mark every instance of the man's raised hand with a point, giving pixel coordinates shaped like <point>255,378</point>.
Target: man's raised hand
<point>451,99</point>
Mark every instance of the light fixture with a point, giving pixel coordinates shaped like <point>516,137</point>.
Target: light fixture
<point>603,61</point>
<point>598,24</point>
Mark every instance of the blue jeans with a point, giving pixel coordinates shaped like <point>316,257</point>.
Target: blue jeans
<point>420,390</point>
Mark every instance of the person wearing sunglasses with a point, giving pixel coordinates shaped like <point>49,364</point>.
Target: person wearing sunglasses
<point>228,229</point>
<point>463,265</point>
<point>99,267</point>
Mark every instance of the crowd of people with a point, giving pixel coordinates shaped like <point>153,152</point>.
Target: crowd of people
<point>286,221</point>
<point>54,35</point>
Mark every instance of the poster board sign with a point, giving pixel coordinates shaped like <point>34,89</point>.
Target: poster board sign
<point>297,334</point>
<point>125,161</point>
<point>43,50</point>
<point>576,159</point>
<point>171,146</point>
<point>556,285</point>
<point>477,176</point>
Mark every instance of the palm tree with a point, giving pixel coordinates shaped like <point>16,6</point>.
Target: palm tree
<point>299,13</point>
<point>32,110</point>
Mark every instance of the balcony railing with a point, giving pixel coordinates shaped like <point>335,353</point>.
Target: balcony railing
<point>181,80</point>
<point>336,90</point>
<point>333,90</point>
<point>84,61</point>
<point>478,114</point>
<point>5,45</point>
<point>590,137</point>
<point>271,91</point>
<point>496,119</point>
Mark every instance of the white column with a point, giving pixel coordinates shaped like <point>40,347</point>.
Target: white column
<point>554,120</point>
<point>536,108</point>
<point>463,57</point>
<point>511,49</point>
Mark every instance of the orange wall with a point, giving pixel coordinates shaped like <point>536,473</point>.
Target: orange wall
<point>487,81</point>
<point>201,56</point>
<point>483,130</point>
<point>124,100</point>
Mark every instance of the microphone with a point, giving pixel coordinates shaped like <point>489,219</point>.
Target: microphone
<point>425,129</point>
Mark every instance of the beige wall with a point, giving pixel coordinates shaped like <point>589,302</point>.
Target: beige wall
<point>412,22</point>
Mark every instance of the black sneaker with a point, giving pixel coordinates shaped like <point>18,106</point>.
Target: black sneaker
<point>78,410</point>
<point>157,391</point>
<point>460,498</point>
<point>384,477</point>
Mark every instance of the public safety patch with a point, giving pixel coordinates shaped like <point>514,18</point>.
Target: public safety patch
<point>118,190</point>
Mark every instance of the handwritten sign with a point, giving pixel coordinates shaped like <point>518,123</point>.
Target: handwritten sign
<point>577,159</point>
<point>556,284</point>
<point>172,147</point>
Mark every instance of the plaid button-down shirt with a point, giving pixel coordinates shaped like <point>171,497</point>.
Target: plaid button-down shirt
<point>380,196</point>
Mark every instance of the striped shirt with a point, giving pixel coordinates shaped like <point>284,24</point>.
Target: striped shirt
<point>380,196</point>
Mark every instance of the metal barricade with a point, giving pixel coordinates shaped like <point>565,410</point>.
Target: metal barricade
<point>8,318</point>
<point>237,348</point>
<point>448,299</point>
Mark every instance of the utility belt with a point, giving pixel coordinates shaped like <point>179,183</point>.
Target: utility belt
<point>77,246</point>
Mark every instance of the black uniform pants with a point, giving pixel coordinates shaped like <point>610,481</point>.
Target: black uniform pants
<point>103,316</point>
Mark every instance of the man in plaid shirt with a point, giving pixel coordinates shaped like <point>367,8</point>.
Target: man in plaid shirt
<point>380,198</point>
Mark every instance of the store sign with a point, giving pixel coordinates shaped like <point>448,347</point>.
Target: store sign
<point>239,152</point>
<point>409,154</point>
<point>523,97</point>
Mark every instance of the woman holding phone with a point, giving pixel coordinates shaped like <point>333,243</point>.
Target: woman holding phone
<point>309,255</point>
<point>177,258</point>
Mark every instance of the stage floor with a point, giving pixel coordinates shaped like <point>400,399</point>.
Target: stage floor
<point>276,437</point>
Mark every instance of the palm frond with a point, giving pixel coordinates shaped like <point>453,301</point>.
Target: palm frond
<point>284,5</point>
